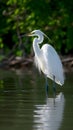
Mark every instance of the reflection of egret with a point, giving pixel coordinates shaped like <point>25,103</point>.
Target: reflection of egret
<point>49,116</point>
<point>47,59</point>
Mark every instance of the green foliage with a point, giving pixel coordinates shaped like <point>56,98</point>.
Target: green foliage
<point>22,16</point>
<point>1,43</point>
<point>19,53</point>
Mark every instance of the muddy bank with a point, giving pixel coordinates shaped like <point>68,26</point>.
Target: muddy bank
<point>21,63</point>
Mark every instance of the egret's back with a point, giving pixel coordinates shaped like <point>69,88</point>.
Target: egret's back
<point>53,65</point>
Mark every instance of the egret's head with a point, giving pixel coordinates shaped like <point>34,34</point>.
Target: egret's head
<point>39,33</point>
<point>36,33</point>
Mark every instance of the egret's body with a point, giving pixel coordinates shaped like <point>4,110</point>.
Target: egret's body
<point>47,59</point>
<point>49,63</point>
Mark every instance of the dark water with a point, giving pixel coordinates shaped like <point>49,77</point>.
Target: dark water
<point>24,105</point>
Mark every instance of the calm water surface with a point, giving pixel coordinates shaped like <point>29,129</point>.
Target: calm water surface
<point>24,105</point>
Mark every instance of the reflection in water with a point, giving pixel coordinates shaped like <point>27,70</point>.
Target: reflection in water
<point>49,116</point>
<point>22,107</point>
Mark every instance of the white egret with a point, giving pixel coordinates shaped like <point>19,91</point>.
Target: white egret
<point>47,60</point>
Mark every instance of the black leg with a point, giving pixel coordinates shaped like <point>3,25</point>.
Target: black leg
<point>47,87</point>
<point>54,86</point>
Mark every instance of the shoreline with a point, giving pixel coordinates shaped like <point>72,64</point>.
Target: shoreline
<point>21,63</point>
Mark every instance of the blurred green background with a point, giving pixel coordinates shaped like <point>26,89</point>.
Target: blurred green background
<point>18,17</point>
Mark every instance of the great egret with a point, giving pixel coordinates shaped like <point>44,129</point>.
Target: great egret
<point>47,60</point>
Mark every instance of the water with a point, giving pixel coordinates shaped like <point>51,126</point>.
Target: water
<point>24,105</point>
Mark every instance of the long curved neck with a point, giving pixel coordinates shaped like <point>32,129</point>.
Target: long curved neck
<point>36,43</point>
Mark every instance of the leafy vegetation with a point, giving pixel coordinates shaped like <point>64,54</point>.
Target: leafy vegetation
<point>17,17</point>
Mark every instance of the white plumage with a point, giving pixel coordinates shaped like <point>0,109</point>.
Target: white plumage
<point>47,59</point>
<point>53,64</point>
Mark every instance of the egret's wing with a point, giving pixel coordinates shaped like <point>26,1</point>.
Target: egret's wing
<point>53,65</point>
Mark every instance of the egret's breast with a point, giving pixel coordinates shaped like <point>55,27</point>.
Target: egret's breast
<point>40,64</point>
